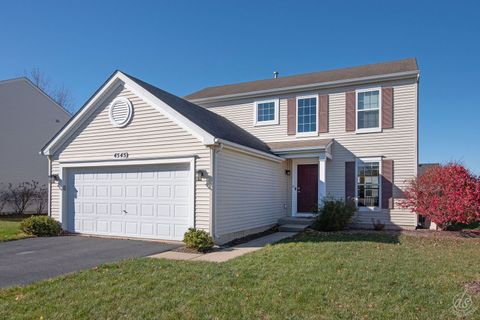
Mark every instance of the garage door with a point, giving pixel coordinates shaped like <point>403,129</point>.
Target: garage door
<point>131,201</point>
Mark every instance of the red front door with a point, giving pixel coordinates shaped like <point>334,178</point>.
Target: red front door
<point>307,187</point>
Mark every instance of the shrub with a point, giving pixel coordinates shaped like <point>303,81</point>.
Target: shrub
<point>3,199</point>
<point>199,240</point>
<point>447,194</point>
<point>19,196</point>
<point>41,226</point>
<point>40,199</point>
<point>378,225</point>
<point>334,215</point>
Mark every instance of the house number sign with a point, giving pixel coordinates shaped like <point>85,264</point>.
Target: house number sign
<point>120,155</point>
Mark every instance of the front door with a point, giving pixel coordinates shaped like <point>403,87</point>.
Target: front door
<point>307,187</point>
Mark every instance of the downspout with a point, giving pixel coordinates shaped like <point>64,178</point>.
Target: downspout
<point>49,189</point>
<point>215,150</point>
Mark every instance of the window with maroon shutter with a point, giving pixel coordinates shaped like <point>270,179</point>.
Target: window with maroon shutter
<point>387,108</point>
<point>350,116</point>
<point>387,184</point>
<point>323,113</point>
<point>368,183</point>
<point>291,116</point>
<point>349,180</point>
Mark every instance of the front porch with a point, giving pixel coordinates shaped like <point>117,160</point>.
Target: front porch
<point>307,163</point>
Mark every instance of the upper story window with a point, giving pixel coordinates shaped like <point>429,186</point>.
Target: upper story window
<point>307,109</point>
<point>266,112</point>
<point>368,183</point>
<point>368,110</point>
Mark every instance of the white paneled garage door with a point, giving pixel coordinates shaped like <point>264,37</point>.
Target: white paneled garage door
<point>151,201</point>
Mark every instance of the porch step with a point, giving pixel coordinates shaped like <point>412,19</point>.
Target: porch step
<point>296,220</point>
<point>292,227</point>
<point>294,224</point>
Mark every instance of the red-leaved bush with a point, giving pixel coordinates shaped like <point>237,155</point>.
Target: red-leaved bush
<point>446,194</point>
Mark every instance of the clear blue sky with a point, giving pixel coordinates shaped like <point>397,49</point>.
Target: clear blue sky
<point>184,46</point>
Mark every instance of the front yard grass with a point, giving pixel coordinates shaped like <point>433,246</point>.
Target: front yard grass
<point>10,228</point>
<point>334,276</point>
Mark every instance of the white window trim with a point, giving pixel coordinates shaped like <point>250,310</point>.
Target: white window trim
<point>369,130</point>
<point>311,133</point>
<point>257,123</point>
<point>369,159</point>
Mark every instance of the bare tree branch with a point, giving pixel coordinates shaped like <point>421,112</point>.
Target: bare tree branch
<point>60,95</point>
<point>38,79</point>
<point>63,97</point>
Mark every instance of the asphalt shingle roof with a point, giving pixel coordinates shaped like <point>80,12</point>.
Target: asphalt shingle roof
<point>308,78</point>
<point>216,125</point>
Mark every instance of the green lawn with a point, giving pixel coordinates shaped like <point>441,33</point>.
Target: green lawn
<point>375,276</point>
<point>10,228</point>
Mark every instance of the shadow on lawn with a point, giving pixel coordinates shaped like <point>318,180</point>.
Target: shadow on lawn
<point>388,237</point>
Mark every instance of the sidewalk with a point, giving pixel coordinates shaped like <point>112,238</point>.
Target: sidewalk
<point>227,253</point>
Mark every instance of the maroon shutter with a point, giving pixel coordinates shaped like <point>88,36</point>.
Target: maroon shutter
<point>350,111</point>
<point>323,113</point>
<point>349,180</point>
<point>387,108</point>
<point>387,184</point>
<point>291,116</point>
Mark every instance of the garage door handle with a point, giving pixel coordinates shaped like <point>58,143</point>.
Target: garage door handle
<point>125,211</point>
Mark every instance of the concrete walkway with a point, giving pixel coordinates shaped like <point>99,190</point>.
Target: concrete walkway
<point>227,253</point>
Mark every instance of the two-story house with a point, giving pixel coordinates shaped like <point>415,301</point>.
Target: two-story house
<point>28,118</point>
<point>137,161</point>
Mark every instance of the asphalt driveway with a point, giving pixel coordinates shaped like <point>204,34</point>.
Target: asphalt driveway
<point>29,260</point>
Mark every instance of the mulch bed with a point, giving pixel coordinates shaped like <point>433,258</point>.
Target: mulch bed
<point>470,233</point>
<point>415,233</point>
<point>250,237</point>
<point>230,244</point>
<point>473,287</point>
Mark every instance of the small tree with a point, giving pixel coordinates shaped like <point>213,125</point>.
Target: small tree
<point>41,199</point>
<point>59,94</point>
<point>20,196</point>
<point>446,194</point>
<point>3,198</point>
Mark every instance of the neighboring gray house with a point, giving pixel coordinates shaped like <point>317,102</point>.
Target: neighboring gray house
<point>28,118</point>
<point>137,161</point>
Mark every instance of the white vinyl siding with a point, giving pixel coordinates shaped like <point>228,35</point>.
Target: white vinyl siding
<point>149,134</point>
<point>250,192</point>
<point>398,144</point>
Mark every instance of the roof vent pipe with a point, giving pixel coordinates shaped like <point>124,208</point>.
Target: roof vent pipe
<point>275,74</point>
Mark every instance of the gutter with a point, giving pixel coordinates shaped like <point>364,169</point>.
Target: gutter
<point>319,85</point>
<point>247,150</point>
<point>299,149</point>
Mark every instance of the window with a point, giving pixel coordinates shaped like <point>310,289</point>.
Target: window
<point>307,115</point>
<point>368,183</point>
<point>368,110</point>
<point>266,112</point>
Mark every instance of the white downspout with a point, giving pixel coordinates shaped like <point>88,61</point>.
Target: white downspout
<point>322,178</point>
<point>216,149</point>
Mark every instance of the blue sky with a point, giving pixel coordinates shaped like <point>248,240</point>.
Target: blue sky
<point>183,46</point>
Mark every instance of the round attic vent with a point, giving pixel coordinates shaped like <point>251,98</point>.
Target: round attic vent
<point>120,112</point>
